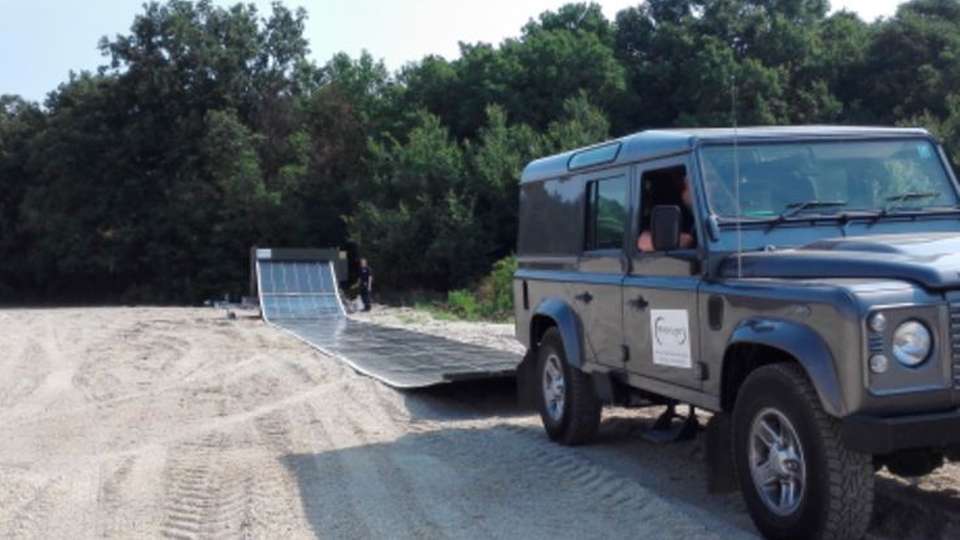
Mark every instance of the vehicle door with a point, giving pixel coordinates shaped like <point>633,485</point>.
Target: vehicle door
<point>602,265</point>
<point>660,310</point>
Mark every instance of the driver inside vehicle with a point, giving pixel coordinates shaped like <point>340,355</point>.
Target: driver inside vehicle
<point>668,187</point>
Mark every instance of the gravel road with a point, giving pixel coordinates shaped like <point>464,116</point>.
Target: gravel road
<point>180,423</point>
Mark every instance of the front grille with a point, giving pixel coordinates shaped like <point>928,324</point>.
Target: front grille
<point>955,337</point>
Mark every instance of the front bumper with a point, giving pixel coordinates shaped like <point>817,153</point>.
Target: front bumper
<point>876,435</point>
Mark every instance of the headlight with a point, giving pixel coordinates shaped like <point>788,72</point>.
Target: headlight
<point>911,343</point>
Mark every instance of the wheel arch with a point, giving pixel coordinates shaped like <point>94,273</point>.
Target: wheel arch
<point>758,342</point>
<point>554,313</point>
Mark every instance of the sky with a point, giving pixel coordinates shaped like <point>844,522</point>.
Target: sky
<point>42,40</point>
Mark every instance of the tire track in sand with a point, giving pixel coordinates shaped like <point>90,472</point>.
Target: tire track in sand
<point>503,467</point>
<point>230,484</point>
<point>110,497</point>
<point>27,521</point>
<point>191,494</point>
<point>272,494</point>
<point>367,469</point>
<point>561,492</point>
<point>25,374</point>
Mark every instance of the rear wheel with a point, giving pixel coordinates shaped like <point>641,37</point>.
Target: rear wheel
<point>797,478</point>
<point>568,405</point>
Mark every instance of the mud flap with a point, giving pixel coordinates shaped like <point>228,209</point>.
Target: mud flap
<point>718,443</point>
<point>666,430</point>
<point>603,386</point>
<point>527,381</point>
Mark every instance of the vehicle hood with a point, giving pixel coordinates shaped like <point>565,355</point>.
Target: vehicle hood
<point>929,259</point>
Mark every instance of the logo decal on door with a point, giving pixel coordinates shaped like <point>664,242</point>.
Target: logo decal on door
<point>670,333</point>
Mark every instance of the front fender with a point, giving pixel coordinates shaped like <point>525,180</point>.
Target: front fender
<point>567,324</point>
<point>802,343</point>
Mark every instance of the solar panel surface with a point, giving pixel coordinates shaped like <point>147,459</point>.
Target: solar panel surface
<point>302,298</point>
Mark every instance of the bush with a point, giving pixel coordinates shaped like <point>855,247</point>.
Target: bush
<point>491,300</point>
<point>463,304</point>
<point>495,292</point>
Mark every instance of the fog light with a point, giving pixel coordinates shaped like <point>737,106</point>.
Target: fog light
<point>879,363</point>
<point>878,323</point>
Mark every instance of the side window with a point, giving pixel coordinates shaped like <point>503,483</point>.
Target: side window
<point>606,213</point>
<point>667,186</point>
<point>553,203</point>
<point>661,187</point>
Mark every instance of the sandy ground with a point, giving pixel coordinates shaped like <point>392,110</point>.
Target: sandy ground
<point>180,423</point>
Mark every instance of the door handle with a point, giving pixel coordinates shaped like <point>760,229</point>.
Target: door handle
<point>586,297</point>
<point>639,303</point>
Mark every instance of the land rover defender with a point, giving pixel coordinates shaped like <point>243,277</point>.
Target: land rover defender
<point>814,308</point>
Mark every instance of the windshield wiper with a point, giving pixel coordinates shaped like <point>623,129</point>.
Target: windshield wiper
<point>909,196</point>
<point>793,209</point>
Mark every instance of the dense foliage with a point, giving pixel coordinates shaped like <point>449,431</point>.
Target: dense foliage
<point>491,299</point>
<point>209,130</point>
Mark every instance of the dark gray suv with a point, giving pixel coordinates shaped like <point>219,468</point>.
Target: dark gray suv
<point>801,283</point>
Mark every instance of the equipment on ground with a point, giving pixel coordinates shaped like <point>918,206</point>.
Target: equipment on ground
<point>299,294</point>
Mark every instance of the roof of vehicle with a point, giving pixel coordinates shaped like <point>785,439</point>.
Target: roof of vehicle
<point>656,143</point>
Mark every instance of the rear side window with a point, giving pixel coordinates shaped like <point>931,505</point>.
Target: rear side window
<point>606,213</point>
<point>550,217</point>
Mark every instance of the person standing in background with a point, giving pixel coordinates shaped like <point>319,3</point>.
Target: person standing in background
<point>366,284</point>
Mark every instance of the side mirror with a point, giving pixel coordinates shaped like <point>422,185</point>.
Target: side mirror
<point>665,227</point>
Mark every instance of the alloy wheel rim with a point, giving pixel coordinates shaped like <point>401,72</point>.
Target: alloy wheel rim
<point>777,464</point>
<point>553,387</point>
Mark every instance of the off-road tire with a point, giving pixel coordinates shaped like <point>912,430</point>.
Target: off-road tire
<point>837,502</point>
<point>581,409</point>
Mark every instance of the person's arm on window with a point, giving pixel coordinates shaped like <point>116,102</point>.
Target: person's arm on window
<point>645,242</point>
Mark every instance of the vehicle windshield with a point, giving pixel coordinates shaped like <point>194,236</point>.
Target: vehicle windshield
<point>785,180</point>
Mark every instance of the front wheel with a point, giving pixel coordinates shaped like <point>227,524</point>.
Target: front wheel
<point>797,478</point>
<point>568,406</point>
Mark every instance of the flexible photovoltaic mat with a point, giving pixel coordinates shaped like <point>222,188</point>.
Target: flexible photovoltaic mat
<point>298,290</point>
<point>402,358</point>
<point>302,298</point>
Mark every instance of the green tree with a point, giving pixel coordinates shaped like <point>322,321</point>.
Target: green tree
<point>684,57</point>
<point>20,121</point>
<point>946,129</point>
<point>80,209</point>
<point>552,66</point>
<point>914,61</point>
<point>144,146</point>
<point>210,130</point>
<point>496,162</point>
<point>564,53</point>
<point>415,222</point>
<point>581,124</point>
<point>575,17</point>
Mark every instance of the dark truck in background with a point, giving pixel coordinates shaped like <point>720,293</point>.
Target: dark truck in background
<point>817,315</point>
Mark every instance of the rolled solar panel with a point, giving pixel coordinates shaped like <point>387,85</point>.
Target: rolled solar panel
<point>299,290</point>
<point>300,296</point>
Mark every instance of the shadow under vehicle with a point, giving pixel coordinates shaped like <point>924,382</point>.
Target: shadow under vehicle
<point>816,312</point>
